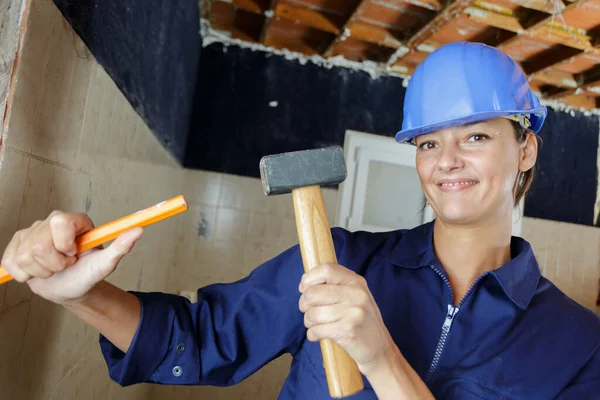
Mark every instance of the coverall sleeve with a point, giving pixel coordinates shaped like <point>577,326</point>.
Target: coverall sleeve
<point>229,333</point>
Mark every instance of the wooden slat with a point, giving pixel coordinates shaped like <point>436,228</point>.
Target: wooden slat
<point>594,88</point>
<point>221,14</point>
<point>235,33</point>
<point>374,34</point>
<point>563,37</point>
<point>428,4</point>
<point>545,59</point>
<point>541,5</point>
<point>585,81</point>
<point>491,18</point>
<point>555,77</point>
<point>581,101</point>
<point>543,23</point>
<point>547,32</point>
<point>309,17</point>
<point>292,45</point>
<point>248,5</point>
<point>355,14</point>
<point>571,60</point>
<point>268,21</point>
<point>451,11</point>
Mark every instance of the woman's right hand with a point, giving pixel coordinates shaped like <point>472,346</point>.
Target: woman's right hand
<point>44,256</point>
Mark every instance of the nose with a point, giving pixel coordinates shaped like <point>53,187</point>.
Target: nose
<point>449,158</point>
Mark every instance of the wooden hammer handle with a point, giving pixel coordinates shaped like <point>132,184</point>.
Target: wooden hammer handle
<point>316,245</point>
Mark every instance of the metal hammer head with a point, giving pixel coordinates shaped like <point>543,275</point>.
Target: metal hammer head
<point>281,173</point>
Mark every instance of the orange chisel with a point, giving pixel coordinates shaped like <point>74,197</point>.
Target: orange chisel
<point>112,230</point>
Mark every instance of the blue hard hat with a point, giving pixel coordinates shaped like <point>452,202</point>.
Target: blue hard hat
<point>465,82</point>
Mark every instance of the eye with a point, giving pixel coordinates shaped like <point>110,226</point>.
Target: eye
<point>427,145</point>
<point>478,137</point>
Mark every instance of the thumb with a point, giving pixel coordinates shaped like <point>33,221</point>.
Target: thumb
<point>106,260</point>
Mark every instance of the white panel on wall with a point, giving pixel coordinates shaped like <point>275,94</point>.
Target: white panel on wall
<point>382,191</point>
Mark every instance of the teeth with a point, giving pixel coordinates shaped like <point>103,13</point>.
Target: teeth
<point>459,183</point>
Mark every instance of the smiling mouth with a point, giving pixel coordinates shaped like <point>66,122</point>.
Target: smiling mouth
<point>451,184</point>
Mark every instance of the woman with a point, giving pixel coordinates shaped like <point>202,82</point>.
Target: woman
<point>452,309</point>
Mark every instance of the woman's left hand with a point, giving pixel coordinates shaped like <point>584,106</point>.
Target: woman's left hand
<point>338,305</point>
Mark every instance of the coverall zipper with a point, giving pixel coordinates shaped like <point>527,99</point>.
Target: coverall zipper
<point>450,315</point>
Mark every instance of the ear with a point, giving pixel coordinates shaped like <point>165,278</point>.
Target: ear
<point>528,153</point>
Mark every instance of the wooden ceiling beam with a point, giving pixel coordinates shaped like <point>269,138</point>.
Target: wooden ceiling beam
<point>328,23</point>
<point>547,58</point>
<point>570,60</point>
<point>588,81</point>
<point>428,4</point>
<point>541,5</point>
<point>246,5</point>
<point>584,101</point>
<point>312,18</point>
<point>491,18</point>
<point>342,35</point>
<point>555,77</point>
<point>299,46</point>
<point>268,21</point>
<point>543,27</point>
<point>562,36</point>
<point>451,11</point>
<point>374,34</point>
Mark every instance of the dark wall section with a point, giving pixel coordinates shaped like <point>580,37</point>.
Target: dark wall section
<point>234,125</point>
<point>151,50</point>
<point>566,182</point>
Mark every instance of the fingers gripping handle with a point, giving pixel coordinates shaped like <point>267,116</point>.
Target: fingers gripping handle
<point>112,230</point>
<point>316,246</point>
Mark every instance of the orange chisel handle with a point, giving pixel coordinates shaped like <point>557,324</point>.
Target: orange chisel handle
<point>112,230</point>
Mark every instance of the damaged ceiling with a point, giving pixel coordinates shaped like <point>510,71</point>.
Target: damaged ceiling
<point>557,42</point>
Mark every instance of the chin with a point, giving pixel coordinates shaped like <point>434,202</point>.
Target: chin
<point>461,214</point>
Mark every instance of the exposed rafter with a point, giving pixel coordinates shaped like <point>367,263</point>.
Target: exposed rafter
<point>588,81</point>
<point>545,59</point>
<point>550,31</point>
<point>541,5</point>
<point>248,5</point>
<point>451,11</point>
<point>353,17</point>
<point>552,69</point>
<point>309,17</point>
<point>556,78</point>
<point>268,21</point>
<point>499,20</point>
<point>552,49</point>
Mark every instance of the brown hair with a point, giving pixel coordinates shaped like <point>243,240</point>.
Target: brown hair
<point>524,179</point>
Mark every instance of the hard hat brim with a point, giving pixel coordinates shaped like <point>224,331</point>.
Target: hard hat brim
<point>537,117</point>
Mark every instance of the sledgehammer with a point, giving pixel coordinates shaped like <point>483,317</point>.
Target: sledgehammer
<point>302,173</point>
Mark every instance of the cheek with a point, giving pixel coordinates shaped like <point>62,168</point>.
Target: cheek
<point>499,167</point>
<point>424,168</point>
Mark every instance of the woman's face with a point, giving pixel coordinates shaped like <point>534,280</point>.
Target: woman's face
<point>468,173</point>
